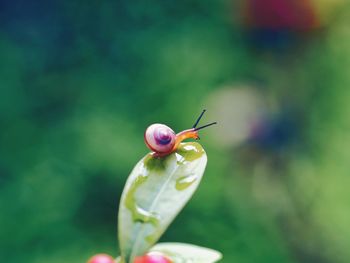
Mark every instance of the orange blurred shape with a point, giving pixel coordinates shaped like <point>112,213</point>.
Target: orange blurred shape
<point>101,258</point>
<point>295,15</point>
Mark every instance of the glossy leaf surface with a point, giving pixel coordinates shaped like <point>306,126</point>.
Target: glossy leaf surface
<point>155,192</point>
<point>187,253</point>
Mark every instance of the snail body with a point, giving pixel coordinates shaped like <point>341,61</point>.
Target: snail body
<point>163,141</point>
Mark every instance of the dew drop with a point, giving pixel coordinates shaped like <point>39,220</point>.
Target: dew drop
<point>186,181</point>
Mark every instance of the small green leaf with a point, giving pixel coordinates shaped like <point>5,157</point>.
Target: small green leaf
<point>185,253</point>
<point>155,192</point>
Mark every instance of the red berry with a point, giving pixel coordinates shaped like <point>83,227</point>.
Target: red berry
<point>101,258</point>
<point>152,257</point>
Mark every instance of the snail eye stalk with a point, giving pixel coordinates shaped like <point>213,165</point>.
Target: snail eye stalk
<point>205,126</point>
<point>199,118</point>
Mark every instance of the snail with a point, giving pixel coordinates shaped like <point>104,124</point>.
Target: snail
<point>163,141</point>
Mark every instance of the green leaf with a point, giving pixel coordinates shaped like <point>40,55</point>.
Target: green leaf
<point>185,253</point>
<point>155,192</point>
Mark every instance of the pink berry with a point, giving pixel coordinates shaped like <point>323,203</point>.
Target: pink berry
<point>101,258</point>
<point>152,257</point>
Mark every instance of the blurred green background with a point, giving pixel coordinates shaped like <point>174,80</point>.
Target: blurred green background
<point>81,81</point>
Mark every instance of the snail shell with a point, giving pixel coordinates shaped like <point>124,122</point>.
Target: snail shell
<point>160,138</point>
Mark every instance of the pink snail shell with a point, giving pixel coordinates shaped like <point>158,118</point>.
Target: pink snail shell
<point>160,138</point>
